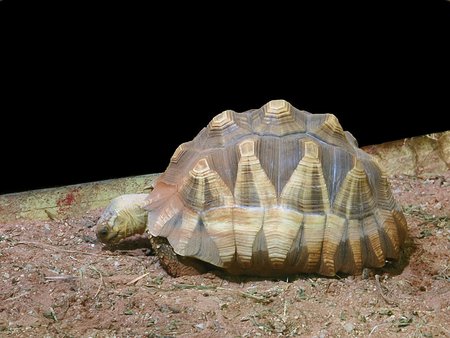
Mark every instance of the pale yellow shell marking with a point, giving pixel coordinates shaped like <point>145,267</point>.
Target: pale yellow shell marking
<point>280,228</point>
<point>204,188</point>
<point>354,233</point>
<point>247,148</point>
<point>278,109</point>
<point>178,153</point>
<point>219,225</point>
<point>313,230</point>
<point>331,126</point>
<point>252,187</point>
<point>277,118</point>
<point>354,199</point>
<point>374,256</point>
<point>386,220</point>
<point>201,167</point>
<point>222,121</point>
<point>401,222</point>
<point>306,192</point>
<point>334,230</point>
<point>306,189</point>
<point>328,128</point>
<point>254,193</point>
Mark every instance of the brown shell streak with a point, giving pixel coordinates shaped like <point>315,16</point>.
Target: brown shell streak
<point>277,191</point>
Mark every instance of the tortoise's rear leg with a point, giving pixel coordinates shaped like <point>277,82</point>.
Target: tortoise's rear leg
<point>174,264</point>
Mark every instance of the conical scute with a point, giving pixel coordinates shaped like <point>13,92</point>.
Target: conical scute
<point>352,253</point>
<point>260,253</point>
<point>354,199</point>
<point>183,228</point>
<point>349,245</point>
<point>386,201</point>
<point>227,127</point>
<point>384,194</point>
<point>203,192</point>
<point>390,239</point>
<point>247,223</point>
<point>204,189</point>
<point>278,118</point>
<point>306,191</point>
<point>210,238</point>
<point>306,250</point>
<point>163,206</point>
<point>222,121</point>
<point>332,241</point>
<point>181,158</point>
<point>252,188</point>
<point>344,235</point>
<point>280,229</point>
<point>218,223</point>
<point>373,255</point>
<point>278,109</point>
<point>254,193</point>
<point>402,226</point>
<point>181,149</point>
<point>327,128</point>
<point>202,246</point>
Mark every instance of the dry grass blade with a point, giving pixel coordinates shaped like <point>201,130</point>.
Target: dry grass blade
<point>52,216</point>
<point>443,274</point>
<point>380,290</point>
<point>375,328</point>
<point>63,278</point>
<point>137,279</point>
<point>16,297</point>
<point>260,299</point>
<point>55,248</point>
<point>101,281</point>
<point>191,286</point>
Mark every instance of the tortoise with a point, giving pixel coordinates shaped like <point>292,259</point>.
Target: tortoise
<point>266,192</point>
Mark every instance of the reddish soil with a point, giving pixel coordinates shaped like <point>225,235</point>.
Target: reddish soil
<point>57,281</point>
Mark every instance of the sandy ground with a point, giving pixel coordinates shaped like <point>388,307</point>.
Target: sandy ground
<point>57,281</point>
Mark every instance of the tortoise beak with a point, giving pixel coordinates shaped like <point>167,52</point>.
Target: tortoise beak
<point>105,234</point>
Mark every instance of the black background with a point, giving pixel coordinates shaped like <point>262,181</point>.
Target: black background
<point>93,93</point>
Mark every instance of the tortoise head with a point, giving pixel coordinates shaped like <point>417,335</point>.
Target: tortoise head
<point>125,216</point>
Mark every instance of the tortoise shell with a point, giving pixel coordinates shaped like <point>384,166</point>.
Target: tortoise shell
<point>277,190</point>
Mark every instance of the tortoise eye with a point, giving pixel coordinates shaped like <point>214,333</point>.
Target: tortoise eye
<point>103,232</point>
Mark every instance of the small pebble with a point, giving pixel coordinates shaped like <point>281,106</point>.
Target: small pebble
<point>349,327</point>
<point>200,326</point>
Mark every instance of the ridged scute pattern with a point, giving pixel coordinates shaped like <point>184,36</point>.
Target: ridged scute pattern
<point>275,191</point>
